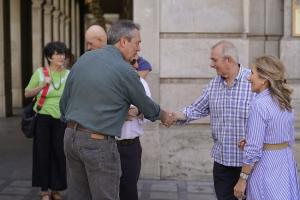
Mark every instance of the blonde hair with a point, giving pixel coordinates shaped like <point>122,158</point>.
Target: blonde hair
<point>272,69</point>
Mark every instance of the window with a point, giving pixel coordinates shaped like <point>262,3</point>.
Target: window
<point>296,18</point>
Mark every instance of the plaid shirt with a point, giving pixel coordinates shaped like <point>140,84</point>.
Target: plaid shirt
<point>228,109</point>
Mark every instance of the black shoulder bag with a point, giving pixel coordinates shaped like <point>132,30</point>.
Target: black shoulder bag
<point>28,122</point>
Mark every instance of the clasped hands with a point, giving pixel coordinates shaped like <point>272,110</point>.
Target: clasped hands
<point>170,118</point>
<point>167,118</point>
<point>133,113</point>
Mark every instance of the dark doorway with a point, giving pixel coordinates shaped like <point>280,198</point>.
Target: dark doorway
<point>7,58</point>
<point>123,8</point>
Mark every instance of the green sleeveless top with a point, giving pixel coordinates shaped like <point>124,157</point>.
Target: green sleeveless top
<point>51,105</point>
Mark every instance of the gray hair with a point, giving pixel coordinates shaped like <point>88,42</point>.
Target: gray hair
<point>119,29</point>
<point>228,50</point>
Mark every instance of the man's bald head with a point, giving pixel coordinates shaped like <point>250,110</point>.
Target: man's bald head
<point>95,37</point>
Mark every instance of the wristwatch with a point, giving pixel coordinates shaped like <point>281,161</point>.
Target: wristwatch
<point>244,176</point>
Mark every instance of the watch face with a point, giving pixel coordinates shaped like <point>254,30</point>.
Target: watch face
<point>244,176</point>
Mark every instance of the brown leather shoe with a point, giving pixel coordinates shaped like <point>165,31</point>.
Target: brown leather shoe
<point>55,195</point>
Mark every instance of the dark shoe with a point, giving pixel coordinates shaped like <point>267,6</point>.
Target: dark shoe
<point>55,195</point>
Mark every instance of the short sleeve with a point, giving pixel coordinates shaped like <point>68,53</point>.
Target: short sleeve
<point>35,80</point>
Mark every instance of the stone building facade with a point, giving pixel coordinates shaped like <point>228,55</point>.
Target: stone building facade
<point>176,38</point>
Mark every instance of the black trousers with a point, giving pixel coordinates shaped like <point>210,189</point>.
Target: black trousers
<point>49,162</point>
<point>130,156</point>
<point>225,179</point>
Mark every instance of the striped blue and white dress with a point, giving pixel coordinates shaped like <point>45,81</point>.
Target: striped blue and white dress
<point>274,175</point>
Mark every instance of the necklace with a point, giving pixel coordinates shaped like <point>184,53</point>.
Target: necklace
<point>52,83</point>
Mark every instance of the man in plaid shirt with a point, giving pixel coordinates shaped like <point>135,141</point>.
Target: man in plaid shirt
<point>226,99</point>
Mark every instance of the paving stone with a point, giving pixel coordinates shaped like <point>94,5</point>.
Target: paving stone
<point>200,189</point>
<point>182,191</point>
<point>21,183</point>
<point>7,197</point>
<point>168,187</point>
<point>16,190</point>
<point>139,186</point>
<point>2,181</point>
<point>164,195</point>
<point>200,183</point>
<point>201,197</point>
<point>145,191</point>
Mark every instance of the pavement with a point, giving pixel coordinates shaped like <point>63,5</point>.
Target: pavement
<point>15,173</point>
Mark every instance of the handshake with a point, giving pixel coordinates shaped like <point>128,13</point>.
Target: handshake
<point>170,118</point>
<point>167,118</point>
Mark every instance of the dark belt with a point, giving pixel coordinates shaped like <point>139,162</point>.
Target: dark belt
<point>93,134</point>
<point>128,141</point>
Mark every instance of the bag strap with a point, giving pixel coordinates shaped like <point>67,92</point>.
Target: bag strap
<point>45,91</point>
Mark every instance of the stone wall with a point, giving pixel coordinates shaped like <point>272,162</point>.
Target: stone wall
<point>176,39</point>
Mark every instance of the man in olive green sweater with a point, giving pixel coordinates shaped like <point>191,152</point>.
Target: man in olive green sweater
<point>97,95</point>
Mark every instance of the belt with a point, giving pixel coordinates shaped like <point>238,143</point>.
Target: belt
<point>93,134</point>
<point>275,146</point>
<point>128,141</point>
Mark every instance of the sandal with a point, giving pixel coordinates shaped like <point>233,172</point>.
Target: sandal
<point>45,196</point>
<point>55,195</point>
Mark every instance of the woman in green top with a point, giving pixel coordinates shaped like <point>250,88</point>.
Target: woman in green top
<point>49,163</point>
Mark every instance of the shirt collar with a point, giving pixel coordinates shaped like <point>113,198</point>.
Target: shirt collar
<point>238,77</point>
<point>263,93</point>
<point>240,74</point>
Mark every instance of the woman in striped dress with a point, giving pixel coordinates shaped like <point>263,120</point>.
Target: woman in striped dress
<point>269,169</point>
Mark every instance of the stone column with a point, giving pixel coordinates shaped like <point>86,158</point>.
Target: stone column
<point>287,23</point>
<point>48,8</point>
<point>289,54</point>
<point>150,50</point>
<point>37,43</point>
<point>17,94</point>
<point>67,23</point>
<point>274,26</point>
<point>56,14</point>
<point>62,21</point>
<point>73,28</point>
<point>246,9</point>
<point>77,29</point>
<point>5,60</point>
